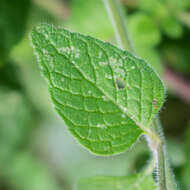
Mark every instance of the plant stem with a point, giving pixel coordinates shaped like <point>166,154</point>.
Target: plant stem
<point>161,175</point>
<point>116,14</point>
<point>155,138</point>
<point>157,147</point>
<point>165,177</point>
<point>163,163</point>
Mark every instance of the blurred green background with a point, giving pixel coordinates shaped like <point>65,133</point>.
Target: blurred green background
<point>36,150</point>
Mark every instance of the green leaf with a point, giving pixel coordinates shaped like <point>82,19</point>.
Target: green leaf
<point>25,172</point>
<point>162,14</point>
<point>13,17</point>
<point>171,26</point>
<point>179,5</point>
<point>106,96</point>
<point>90,18</point>
<point>156,8</point>
<point>15,122</point>
<point>135,182</point>
<point>143,29</point>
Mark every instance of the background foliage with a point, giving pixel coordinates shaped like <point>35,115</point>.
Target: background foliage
<point>36,151</point>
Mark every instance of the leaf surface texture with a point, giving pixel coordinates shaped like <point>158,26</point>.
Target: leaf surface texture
<point>106,96</point>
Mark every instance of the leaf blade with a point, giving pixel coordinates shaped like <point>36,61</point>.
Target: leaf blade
<point>134,182</point>
<point>83,75</point>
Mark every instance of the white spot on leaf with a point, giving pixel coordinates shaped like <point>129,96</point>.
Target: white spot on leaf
<point>101,125</point>
<point>124,109</point>
<point>108,76</point>
<point>103,63</point>
<point>123,115</point>
<point>104,98</point>
<point>64,50</point>
<point>100,54</point>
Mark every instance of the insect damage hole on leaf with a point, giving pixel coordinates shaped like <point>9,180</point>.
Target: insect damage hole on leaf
<point>120,83</point>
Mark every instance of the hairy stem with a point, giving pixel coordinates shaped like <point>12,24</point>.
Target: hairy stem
<point>165,177</point>
<point>155,137</point>
<point>157,147</point>
<point>118,20</point>
<point>162,158</point>
<point>161,173</point>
